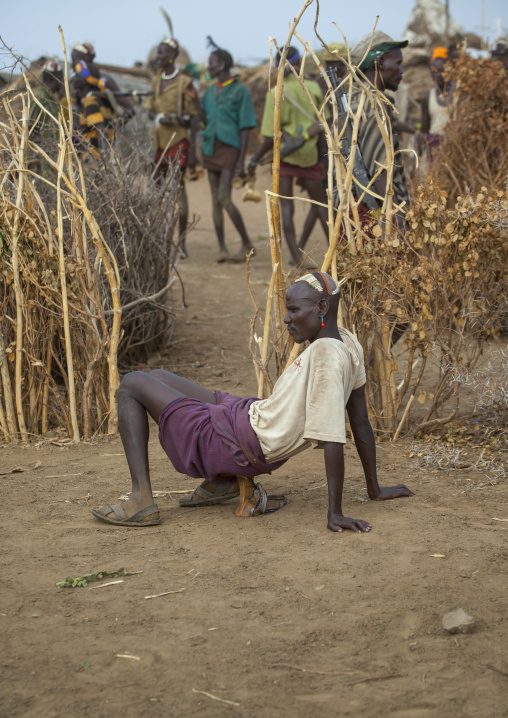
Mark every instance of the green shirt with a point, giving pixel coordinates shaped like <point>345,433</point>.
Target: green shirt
<point>227,114</point>
<point>293,120</point>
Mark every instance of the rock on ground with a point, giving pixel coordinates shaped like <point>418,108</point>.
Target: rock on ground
<point>458,622</point>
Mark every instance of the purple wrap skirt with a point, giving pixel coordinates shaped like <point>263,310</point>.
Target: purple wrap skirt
<point>206,440</point>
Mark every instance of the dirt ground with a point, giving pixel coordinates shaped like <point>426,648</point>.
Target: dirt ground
<point>274,616</point>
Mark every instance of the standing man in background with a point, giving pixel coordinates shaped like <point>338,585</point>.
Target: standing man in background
<point>228,117</point>
<point>174,109</point>
<point>436,103</point>
<point>382,65</point>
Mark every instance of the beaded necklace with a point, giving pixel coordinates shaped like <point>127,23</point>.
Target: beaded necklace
<point>228,82</point>
<point>170,77</point>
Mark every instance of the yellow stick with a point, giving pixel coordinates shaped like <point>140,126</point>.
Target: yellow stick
<point>3,422</point>
<point>406,411</point>
<point>45,390</point>
<point>63,285</point>
<point>6,383</point>
<point>17,284</point>
<point>266,330</point>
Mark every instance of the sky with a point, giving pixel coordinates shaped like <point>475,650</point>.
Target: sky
<point>123,31</point>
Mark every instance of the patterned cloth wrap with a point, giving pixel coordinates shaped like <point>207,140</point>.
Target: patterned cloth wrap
<point>206,441</point>
<point>321,281</point>
<point>177,153</point>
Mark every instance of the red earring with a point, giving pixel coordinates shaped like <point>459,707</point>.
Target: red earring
<point>322,323</point>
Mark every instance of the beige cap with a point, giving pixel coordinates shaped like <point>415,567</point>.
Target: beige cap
<point>372,40</point>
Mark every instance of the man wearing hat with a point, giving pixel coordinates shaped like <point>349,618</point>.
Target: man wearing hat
<point>437,103</point>
<point>47,95</point>
<point>379,58</point>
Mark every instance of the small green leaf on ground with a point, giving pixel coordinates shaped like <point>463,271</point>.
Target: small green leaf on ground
<point>84,580</point>
<point>319,588</point>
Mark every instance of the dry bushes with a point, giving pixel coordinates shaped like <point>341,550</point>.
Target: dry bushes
<point>474,151</point>
<point>57,351</point>
<point>442,284</point>
<point>137,219</point>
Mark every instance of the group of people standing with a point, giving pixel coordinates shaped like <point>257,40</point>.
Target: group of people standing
<point>225,116</point>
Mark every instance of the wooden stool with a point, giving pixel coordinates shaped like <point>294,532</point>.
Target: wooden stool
<point>254,499</point>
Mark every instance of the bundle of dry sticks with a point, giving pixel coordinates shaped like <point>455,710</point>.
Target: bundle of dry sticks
<point>86,267</point>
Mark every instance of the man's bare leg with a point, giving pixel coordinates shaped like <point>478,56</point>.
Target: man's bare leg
<point>139,395</point>
<point>287,211</point>
<point>194,391</point>
<point>316,191</point>
<point>218,215</point>
<point>224,198</point>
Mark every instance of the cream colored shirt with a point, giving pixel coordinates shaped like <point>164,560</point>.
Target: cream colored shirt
<point>307,406</point>
<point>438,113</point>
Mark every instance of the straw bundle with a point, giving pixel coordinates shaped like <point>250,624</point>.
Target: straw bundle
<point>57,352</point>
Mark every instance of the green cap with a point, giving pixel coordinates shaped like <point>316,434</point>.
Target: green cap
<point>379,43</point>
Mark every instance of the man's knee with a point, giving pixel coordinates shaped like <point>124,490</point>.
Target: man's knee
<point>159,374</point>
<point>223,199</point>
<point>130,382</point>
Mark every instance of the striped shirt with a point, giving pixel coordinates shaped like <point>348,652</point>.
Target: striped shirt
<point>96,112</point>
<point>372,146</point>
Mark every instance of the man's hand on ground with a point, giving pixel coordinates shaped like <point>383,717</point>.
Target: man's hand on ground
<point>339,523</point>
<point>392,492</point>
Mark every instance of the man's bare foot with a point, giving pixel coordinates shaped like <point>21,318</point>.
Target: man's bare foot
<point>239,257</point>
<point>223,256</point>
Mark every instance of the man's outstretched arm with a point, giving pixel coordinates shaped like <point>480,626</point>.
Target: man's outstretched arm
<point>366,447</point>
<point>334,464</point>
